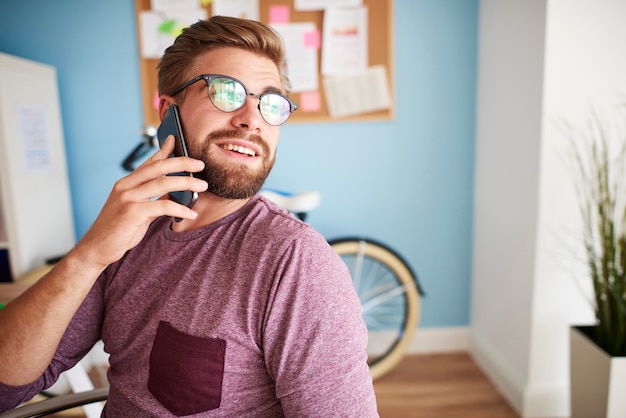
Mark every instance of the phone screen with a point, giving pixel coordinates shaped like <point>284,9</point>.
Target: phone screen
<point>170,125</point>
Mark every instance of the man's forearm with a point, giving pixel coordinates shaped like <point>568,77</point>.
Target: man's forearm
<point>32,325</point>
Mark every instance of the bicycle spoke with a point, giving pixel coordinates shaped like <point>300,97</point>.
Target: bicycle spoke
<point>385,296</point>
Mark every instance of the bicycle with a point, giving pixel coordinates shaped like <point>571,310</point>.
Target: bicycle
<point>388,289</point>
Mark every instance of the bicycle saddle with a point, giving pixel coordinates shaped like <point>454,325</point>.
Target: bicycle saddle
<point>294,203</point>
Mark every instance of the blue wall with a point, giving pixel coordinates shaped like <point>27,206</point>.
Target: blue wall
<point>406,182</point>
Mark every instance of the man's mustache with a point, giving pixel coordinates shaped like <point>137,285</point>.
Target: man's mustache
<point>233,133</point>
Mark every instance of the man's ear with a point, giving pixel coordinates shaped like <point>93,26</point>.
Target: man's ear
<point>165,102</point>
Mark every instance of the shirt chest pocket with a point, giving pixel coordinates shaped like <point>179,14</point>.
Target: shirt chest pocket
<point>186,372</point>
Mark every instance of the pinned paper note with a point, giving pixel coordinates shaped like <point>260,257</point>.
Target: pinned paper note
<point>301,61</point>
<point>312,39</point>
<point>245,9</point>
<point>173,5</point>
<point>279,14</point>
<point>308,5</point>
<point>357,94</point>
<point>310,101</point>
<point>35,137</point>
<point>345,41</point>
<point>159,29</point>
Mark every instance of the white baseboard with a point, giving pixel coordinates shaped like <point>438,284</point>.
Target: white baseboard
<point>439,340</point>
<point>529,401</point>
<point>425,340</point>
<point>498,372</point>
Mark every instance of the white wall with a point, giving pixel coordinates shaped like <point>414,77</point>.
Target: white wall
<point>539,61</point>
<point>508,134</point>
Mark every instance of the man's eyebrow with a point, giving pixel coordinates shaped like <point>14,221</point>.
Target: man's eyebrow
<point>272,89</point>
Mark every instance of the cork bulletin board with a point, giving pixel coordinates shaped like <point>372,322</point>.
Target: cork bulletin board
<point>380,54</point>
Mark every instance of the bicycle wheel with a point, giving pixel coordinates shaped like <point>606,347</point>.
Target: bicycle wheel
<point>390,299</point>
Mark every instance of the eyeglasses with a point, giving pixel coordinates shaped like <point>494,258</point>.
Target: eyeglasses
<point>229,94</point>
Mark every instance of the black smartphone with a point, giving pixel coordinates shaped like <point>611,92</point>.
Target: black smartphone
<point>170,125</point>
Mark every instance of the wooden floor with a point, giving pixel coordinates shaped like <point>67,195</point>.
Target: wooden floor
<point>439,385</point>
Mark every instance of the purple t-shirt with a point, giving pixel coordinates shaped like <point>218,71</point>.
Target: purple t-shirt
<point>253,315</point>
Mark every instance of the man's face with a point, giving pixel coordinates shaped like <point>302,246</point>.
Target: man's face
<point>238,148</point>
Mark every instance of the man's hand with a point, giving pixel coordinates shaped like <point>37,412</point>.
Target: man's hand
<point>131,206</point>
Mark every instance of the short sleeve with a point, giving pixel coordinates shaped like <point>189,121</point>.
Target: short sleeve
<point>315,337</point>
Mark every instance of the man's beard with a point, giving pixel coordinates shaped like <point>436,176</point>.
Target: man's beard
<point>230,181</point>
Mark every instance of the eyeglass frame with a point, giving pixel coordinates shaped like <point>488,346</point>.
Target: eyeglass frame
<point>293,106</point>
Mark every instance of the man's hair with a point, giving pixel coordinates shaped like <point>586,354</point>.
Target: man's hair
<point>178,61</point>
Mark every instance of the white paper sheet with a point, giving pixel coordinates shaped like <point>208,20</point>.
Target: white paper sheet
<point>247,9</point>
<point>357,94</point>
<point>173,5</point>
<point>159,29</point>
<point>302,5</point>
<point>35,137</point>
<point>344,47</point>
<point>301,55</point>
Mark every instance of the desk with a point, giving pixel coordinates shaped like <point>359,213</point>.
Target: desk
<point>9,291</point>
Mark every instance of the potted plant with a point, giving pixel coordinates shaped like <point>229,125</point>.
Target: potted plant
<point>598,352</point>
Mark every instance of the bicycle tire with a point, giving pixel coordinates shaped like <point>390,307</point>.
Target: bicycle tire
<point>390,297</point>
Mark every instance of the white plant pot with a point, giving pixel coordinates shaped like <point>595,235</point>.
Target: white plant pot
<point>597,380</point>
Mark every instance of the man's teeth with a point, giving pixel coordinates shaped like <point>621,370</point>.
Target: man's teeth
<point>239,149</point>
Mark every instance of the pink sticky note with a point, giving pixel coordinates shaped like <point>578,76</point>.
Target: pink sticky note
<point>279,14</point>
<point>312,39</point>
<point>310,101</point>
<point>155,100</point>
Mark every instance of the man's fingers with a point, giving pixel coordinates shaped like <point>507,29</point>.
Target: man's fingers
<point>159,165</point>
<point>163,152</point>
<point>143,191</point>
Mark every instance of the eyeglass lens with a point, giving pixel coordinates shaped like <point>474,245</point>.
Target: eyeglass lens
<point>229,95</point>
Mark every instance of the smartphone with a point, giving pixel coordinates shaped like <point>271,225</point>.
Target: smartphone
<point>170,125</point>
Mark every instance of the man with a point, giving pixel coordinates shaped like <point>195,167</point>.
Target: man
<point>237,310</point>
